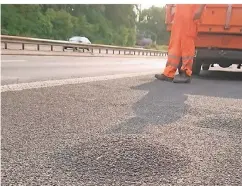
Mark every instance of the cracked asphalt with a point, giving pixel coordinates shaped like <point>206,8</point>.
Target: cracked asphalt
<point>129,131</point>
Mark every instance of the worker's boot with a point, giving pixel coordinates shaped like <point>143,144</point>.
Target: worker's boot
<point>182,78</point>
<point>162,77</point>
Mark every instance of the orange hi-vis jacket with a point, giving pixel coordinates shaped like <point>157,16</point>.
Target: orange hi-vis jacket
<point>183,35</point>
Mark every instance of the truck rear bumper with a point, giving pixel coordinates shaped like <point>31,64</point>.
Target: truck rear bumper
<point>219,54</point>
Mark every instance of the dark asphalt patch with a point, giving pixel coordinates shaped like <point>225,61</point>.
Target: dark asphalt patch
<point>122,160</point>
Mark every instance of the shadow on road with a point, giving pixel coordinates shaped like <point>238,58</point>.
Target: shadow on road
<point>165,102</point>
<point>221,75</point>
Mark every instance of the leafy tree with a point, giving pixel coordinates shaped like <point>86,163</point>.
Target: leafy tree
<point>104,24</point>
<point>152,24</point>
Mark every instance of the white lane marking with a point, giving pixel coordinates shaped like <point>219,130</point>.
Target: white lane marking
<point>12,60</point>
<point>52,83</point>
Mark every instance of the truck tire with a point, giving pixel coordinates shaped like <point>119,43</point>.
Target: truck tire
<point>224,65</point>
<point>196,67</point>
<point>205,66</point>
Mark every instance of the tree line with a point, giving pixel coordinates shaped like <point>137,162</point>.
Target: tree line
<point>121,24</point>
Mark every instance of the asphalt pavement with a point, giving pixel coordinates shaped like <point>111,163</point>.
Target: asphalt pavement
<point>22,69</point>
<point>133,130</point>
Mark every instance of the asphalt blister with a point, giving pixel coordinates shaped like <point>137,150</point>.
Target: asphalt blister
<point>123,159</point>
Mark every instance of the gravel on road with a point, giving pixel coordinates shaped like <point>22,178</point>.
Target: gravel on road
<point>131,131</point>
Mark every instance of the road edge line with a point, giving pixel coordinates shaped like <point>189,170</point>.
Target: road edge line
<point>54,83</point>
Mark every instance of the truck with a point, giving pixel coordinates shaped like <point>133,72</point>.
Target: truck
<point>219,39</point>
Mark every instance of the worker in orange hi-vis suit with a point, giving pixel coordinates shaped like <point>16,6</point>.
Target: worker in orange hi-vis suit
<point>183,35</point>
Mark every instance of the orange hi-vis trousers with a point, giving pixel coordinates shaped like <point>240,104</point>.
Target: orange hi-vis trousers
<point>182,41</point>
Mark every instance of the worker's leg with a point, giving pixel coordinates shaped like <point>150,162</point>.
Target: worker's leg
<point>174,55</point>
<point>188,52</point>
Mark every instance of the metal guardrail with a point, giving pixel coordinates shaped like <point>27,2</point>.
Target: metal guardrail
<point>107,48</point>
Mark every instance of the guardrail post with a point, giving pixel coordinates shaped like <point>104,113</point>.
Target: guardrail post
<point>51,43</point>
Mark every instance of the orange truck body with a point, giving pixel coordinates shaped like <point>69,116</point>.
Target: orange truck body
<point>220,29</point>
<point>221,26</point>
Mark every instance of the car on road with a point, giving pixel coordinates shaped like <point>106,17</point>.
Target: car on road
<point>79,39</point>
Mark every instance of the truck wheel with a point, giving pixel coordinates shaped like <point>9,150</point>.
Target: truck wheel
<point>224,65</point>
<point>205,66</point>
<point>196,67</point>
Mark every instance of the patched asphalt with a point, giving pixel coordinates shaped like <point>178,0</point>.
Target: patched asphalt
<point>130,131</point>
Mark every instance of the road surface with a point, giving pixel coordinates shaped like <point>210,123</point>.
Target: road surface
<point>19,69</point>
<point>131,130</point>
